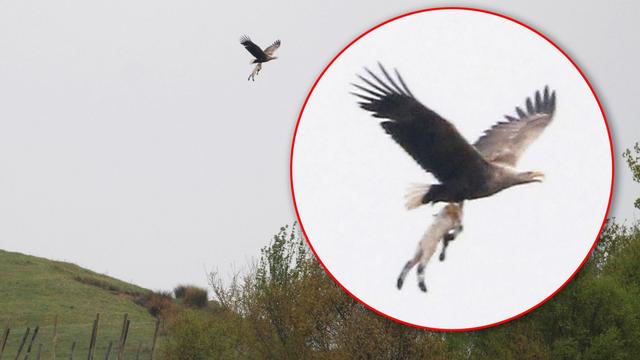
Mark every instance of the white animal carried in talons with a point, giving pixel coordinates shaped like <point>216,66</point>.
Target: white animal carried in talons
<point>446,226</point>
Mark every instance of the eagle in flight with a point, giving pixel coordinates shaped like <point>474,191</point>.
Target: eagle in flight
<point>261,56</point>
<point>465,171</point>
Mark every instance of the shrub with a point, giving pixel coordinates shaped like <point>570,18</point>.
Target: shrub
<point>158,303</point>
<point>179,291</point>
<point>197,334</point>
<point>195,297</point>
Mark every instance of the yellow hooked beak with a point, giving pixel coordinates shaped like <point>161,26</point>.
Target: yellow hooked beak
<point>537,176</point>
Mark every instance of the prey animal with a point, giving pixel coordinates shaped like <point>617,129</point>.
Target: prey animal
<point>446,226</point>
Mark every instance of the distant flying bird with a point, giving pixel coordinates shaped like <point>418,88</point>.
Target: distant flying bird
<point>464,171</point>
<point>261,56</point>
<point>446,227</point>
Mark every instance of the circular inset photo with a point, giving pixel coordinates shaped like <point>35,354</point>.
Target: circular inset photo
<point>452,169</point>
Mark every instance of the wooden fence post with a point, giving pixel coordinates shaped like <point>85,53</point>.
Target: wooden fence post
<point>33,337</point>
<point>94,335</point>
<point>54,340</point>
<point>24,339</point>
<point>39,351</point>
<point>73,348</point>
<point>106,357</point>
<point>125,334</point>
<point>121,339</point>
<point>3,342</point>
<point>155,336</point>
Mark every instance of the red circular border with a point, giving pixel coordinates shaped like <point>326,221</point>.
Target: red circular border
<point>296,132</point>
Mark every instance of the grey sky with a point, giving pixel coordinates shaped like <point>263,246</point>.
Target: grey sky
<point>131,142</point>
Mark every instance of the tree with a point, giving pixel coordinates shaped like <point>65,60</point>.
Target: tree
<point>297,311</point>
<point>633,161</point>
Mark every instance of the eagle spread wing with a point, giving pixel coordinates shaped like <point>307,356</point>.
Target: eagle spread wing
<point>505,141</point>
<point>272,48</point>
<point>253,48</point>
<point>433,142</point>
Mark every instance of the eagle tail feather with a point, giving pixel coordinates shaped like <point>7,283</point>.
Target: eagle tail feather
<point>415,195</point>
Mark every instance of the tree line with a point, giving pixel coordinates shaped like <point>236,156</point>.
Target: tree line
<point>287,307</point>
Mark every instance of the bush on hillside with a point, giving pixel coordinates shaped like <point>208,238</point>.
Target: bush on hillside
<point>196,334</point>
<point>179,291</point>
<point>192,296</point>
<point>158,302</point>
<point>195,297</point>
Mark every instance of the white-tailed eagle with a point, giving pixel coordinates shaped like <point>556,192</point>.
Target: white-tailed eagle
<point>261,56</point>
<point>464,171</point>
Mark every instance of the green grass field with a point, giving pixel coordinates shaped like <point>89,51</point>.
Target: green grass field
<point>34,291</point>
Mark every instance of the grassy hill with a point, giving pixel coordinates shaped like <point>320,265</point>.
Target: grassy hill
<point>34,291</point>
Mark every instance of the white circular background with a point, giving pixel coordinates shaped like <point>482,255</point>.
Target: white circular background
<point>518,246</point>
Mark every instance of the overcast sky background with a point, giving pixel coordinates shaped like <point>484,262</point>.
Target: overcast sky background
<point>519,245</point>
<point>132,144</point>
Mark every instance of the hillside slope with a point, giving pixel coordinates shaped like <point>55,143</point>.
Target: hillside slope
<point>34,291</point>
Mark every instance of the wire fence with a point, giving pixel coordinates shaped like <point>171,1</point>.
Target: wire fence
<point>114,339</point>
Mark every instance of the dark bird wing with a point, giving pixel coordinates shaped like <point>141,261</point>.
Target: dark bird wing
<point>505,141</point>
<point>272,48</point>
<point>432,141</point>
<point>253,48</point>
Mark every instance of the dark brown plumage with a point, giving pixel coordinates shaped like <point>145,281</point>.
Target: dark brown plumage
<point>464,171</point>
